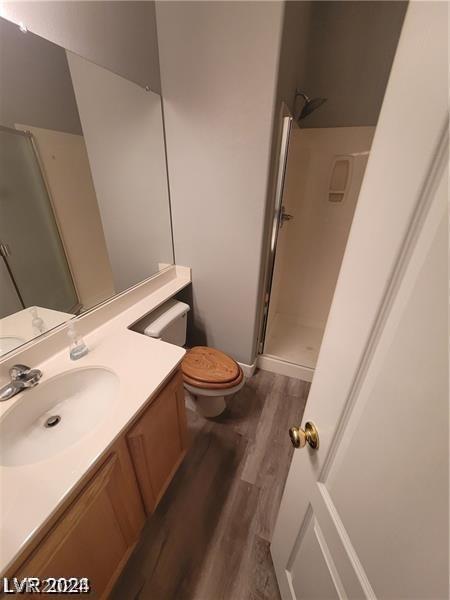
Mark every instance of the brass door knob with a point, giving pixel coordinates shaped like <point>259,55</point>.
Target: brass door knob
<point>300,437</point>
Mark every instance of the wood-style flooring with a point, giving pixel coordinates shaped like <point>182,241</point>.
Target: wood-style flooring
<point>209,537</point>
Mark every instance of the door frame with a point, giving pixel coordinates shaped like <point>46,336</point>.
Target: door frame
<point>409,153</point>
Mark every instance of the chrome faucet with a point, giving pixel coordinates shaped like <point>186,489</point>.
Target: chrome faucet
<point>22,377</point>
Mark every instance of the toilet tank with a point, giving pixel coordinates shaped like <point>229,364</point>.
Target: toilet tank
<point>167,322</point>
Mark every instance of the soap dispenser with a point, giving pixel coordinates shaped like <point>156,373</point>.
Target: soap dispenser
<point>37,323</point>
<point>78,348</point>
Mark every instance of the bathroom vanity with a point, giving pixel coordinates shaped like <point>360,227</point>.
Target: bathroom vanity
<point>96,528</point>
<point>73,503</point>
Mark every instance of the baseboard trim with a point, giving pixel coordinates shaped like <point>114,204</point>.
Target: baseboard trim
<point>248,369</point>
<point>275,365</point>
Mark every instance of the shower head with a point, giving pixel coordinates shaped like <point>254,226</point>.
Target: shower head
<point>309,105</point>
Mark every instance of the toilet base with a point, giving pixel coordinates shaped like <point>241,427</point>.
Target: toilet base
<point>206,406</point>
<point>211,405</point>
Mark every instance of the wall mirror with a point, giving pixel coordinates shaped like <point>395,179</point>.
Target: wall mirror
<point>84,203</point>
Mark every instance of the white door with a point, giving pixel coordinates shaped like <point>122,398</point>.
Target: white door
<point>366,514</point>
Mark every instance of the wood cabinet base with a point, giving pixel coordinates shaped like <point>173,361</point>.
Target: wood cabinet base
<point>101,522</point>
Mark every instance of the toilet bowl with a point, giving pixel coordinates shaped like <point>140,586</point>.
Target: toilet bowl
<point>209,375</point>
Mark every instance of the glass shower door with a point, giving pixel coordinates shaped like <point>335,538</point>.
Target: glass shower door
<point>32,247</point>
<point>277,222</point>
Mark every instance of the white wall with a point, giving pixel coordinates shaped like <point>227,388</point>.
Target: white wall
<point>35,82</point>
<point>295,44</point>
<point>120,36</point>
<point>348,59</point>
<point>219,70</point>
<point>123,131</point>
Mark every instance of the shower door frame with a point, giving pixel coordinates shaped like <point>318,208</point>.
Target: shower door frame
<point>287,123</point>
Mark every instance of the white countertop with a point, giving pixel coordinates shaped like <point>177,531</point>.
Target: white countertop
<point>30,494</point>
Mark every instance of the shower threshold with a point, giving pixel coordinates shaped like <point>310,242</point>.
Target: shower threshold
<point>291,347</point>
<point>266,362</point>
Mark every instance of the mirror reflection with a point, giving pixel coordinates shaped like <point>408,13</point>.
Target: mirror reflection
<point>84,206</point>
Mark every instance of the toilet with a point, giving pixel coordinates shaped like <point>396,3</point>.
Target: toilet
<point>209,375</point>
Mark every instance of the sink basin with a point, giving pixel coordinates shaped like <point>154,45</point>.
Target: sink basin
<point>9,342</point>
<point>56,414</point>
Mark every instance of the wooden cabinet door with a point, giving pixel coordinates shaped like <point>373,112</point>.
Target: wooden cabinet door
<point>158,442</point>
<point>96,534</point>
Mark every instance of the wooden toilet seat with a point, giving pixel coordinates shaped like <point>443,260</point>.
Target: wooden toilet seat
<point>208,368</point>
<point>213,386</point>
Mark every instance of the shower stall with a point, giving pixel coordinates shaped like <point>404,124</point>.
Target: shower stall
<point>343,52</point>
<point>320,174</point>
<point>34,270</point>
